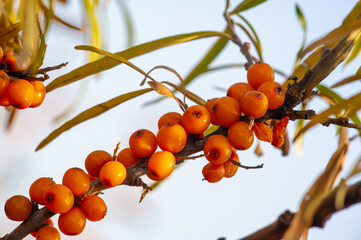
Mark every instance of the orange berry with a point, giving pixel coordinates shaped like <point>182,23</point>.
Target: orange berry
<point>274,93</point>
<point>172,138</point>
<point>72,222</point>
<point>143,143</point>
<point>213,172</point>
<point>1,53</point>
<point>254,103</point>
<point>170,117</point>
<point>218,149</point>
<point>95,161</point>
<point>48,222</point>
<point>93,207</point>
<point>76,180</point>
<point>259,73</point>
<point>20,93</point>
<point>238,90</point>
<point>4,101</point>
<point>112,174</point>
<point>127,157</point>
<point>18,208</point>
<point>58,198</point>
<point>48,233</point>
<point>209,106</point>
<point>226,111</point>
<point>154,178</point>
<point>161,164</point>
<point>279,131</point>
<point>10,59</point>
<point>4,82</point>
<point>39,93</point>
<point>240,136</point>
<point>263,132</point>
<point>231,169</point>
<point>38,188</point>
<point>196,119</point>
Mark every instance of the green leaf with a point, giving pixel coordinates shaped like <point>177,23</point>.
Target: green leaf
<point>125,12</point>
<point>7,33</point>
<point>301,17</point>
<point>347,81</point>
<point>329,93</point>
<point>107,63</point>
<point>355,50</point>
<point>91,113</point>
<point>246,4</point>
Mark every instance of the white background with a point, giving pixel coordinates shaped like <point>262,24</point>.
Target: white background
<point>184,207</point>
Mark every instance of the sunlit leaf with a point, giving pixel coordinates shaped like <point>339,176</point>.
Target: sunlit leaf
<point>192,96</point>
<point>355,50</point>
<point>7,33</point>
<point>354,14</point>
<point>211,129</point>
<point>341,192</point>
<point>91,113</point>
<point>107,63</point>
<point>163,90</point>
<point>246,4</point>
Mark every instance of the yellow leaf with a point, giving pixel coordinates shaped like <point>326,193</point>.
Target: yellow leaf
<point>7,33</point>
<point>190,95</point>
<point>347,81</point>
<point>163,90</point>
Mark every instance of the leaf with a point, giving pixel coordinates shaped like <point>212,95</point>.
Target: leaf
<point>353,15</point>
<point>163,90</point>
<point>246,4</point>
<point>301,17</point>
<point>355,170</point>
<point>113,56</point>
<point>39,57</point>
<point>125,12</point>
<point>347,81</point>
<point>107,63</point>
<point>192,96</point>
<point>91,113</point>
<point>355,50</point>
<point>252,40</point>
<point>340,197</point>
<point>7,33</point>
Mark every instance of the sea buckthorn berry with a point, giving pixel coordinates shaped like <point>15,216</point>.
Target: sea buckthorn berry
<point>196,119</point>
<point>230,169</point>
<point>72,222</point>
<point>59,198</point>
<point>217,149</point>
<point>259,73</point>
<point>38,188</point>
<point>172,138</point>
<point>10,59</point>
<point>1,53</point>
<point>4,101</point>
<point>240,136</point>
<point>127,157</point>
<point>161,164</point>
<point>238,90</point>
<point>213,172</point>
<point>39,93</point>
<point>274,93</point>
<point>48,222</point>
<point>4,82</point>
<point>170,117</point>
<point>20,93</point>
<point>93,207</point>
<point>209,106</point>
<point>279,132</point>
<point>263,132</point>
<point>48,233</point>
<point>143,143</point>
<point>112,174</point>
<point>76,180</point>
<point>95,161</point>
<point>254,103</point>
<point>154,178</point>
<point>18,208</point>
<point>226,111</point>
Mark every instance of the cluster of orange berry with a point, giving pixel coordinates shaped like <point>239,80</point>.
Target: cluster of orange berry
<point>19,93</point>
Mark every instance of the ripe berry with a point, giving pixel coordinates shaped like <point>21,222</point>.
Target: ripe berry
<point>143,143</point>
<point>238,90</point>
<point>48,222</point>
<point>230,169</point>
<point>226,111</point>
<point>240,136</point>
<point>93,207</point>
<point>20,93</point>
<point>10,59</point>
<point>127,157</point>
<point>170,117</point>
<point>18,208</point>
<point>274,93</point>
<point>161,164</point>
<point>263,132</point>
<point>38,188</point>
<point>95,161</point>
<point>72,222</point>
<point>172,138</point>
<point>4,101</point>
<point>213,172</point>
<point>154,178</point>
<point>254,103</point>
<point>39,93</point>
<point>196,119</point>
<point>59,198</point>
<point>112,174</point>
<point>4,82</point>
<point>218,149</point>
<point>209,106</point>
<point>259,73</point>
<point>48,233</point>
<point>76,180</point>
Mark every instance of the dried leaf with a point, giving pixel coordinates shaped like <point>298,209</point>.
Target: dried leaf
<point>192,96</point>
<point>163,90</point>
<point>7,33</point>
<point>347,81</point>
<point>341,194</point>
<point>355,50</point>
